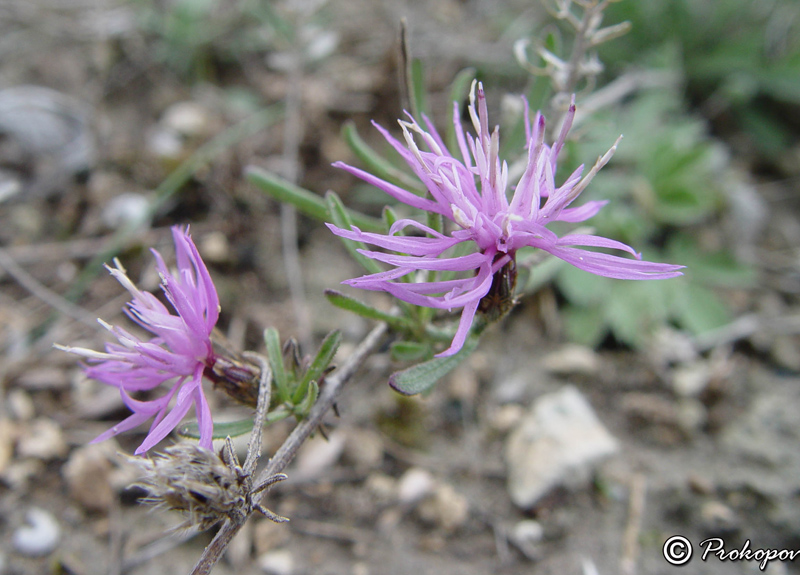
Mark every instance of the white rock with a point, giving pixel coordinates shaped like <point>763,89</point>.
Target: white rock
<point>126,208</point>
<point>447,509</point>
<point>572,358</point>
<point>318,454</point>
<point>39,537</point>
<point>42,439</point>
<point>415,484</point>
<point>87,473</point>
<point>280,562</point>
<point>526,535</point>
<point>691,379</point>
<point>186,118</point>
<point>558,442</point>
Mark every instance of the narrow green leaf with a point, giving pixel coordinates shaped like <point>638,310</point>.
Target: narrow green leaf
<point>417,92</point>
<point>389,217</point>
<point>377,164</point>
<point>410,351</point>
<point>320,363</point>
<point>340,217</point>
<point>272,339</point>
<point>305,201</point>
<point>459,90</point>
<point>301,410</point>
<point>348,303</point>
<point>222,430</point>
<point>423,376</point>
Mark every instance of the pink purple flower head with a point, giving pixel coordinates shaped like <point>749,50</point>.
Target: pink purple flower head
<point>176,355</point>
<point>471,191</point>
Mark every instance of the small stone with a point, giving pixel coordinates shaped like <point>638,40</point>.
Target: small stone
<point>39,536</point>
<point>188,119</point>
<point>414,485</point>
<point>718,519</point>
<point>87,473</point>
<point>364,448</point>
<point>690,380</point>
<point>42,439</point>
<point>571,359</point>
<point>20,405</point>
<point>126,208</point>
<point>447,509</point>
<point>8,434</point>
<point>558,442</point>
<point>44,379</point>
<point>214,247</point>
<point>268,536</point>
<point>505,417</point>
<point>164,144</point>
<point>526,535</point>
<point>382,487</point>
<point>279,562</point>
<point>462,384</point>
<point>318,454</point>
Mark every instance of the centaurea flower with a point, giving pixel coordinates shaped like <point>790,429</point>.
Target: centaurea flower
<point>472,192</point>
<point>178,354</point>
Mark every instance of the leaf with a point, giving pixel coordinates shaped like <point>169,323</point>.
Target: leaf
<point>416,91</point>
<point>272,340</point>
<point>305,201</point>
<point>376,164</point>
<point>423,376</point>
<point>585,325</point>
<point>224,429</point>
<point>341,218</point>
<point>221,430</point>
<point>702,310</point>
<point>320,363</point>
<point>348,303</point>
<point>459,90</point>
<point>410,351</point>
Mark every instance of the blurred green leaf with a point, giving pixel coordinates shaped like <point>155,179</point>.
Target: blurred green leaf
<point>701,310</point>
<point>584,325</point>
<point>408,351</point>
<point>320,363</point>
<point>423,376</point>
<point>305,201</point>
<point>272,340</point>
<point>376,164</point>
<point>339,216</point>
<point>348,303</point>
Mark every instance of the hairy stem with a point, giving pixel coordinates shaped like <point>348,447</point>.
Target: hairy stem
<point>327,397</point>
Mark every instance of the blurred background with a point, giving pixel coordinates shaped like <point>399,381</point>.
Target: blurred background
<point>121,118</point>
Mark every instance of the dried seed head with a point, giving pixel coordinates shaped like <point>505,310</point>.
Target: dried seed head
<point>194,481</point>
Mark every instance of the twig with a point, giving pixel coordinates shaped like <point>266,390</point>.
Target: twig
<point>287,451</point>
<point>48,296</point>
<point>630,542</point>
<point>292,133</point>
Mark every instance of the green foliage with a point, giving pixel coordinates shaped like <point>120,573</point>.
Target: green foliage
<point>741,56</point>
<point>296,378</point>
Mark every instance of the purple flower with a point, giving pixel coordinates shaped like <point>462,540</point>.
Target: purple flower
<point>472,192</point>
<point>177,355</point>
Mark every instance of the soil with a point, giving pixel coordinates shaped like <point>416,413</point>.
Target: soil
<point>718,460</point>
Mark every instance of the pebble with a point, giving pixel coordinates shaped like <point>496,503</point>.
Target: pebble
<point>364,448</point>
<point>718,519</point>
<point>526,535</point>
<point>188,119</point>
<point>42,439</point>
<point>572,359</point>
<point>446,508</point>
<point>414,485</point>
<point>44,379</point>
<point>318,454</point>
<point>39,536</point>
<point>691,380</point>
<point>506,417</point>
<point>87,473</point>
<point>558,442</point>
<point>279,562</point>
<point>126,208</point>
<point>8,432</point>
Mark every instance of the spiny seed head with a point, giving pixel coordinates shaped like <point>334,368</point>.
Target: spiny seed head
<point>194,481</point>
